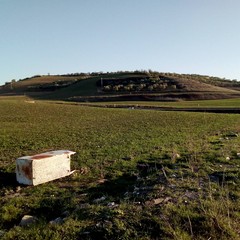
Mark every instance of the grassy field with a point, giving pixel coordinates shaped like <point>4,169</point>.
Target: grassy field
<point>140,174</point>
<point>222,103</point>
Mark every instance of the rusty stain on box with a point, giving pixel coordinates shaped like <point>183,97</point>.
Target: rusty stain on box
<point>44,167</point>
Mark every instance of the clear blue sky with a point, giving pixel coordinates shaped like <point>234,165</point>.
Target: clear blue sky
<point>68,36</point>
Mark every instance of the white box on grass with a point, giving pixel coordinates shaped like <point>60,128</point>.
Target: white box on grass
<point>44,167</point>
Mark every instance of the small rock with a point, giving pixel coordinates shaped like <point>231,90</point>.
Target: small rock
<point>98,200</point>
<point>84,205</point>
<point>98,224</point>
<point>18,189</point>
<point>167,199</point>
<point>58,220</point>
<point>158,201</point>
<point>227,158</point>
<point>176,156</point>
<point>102,180</point>
<point>154,202</point>
<point>83,195</point>
<point>65,214</point>
<point>112,205</point>
<point>27,220</point>
<point>238,155</point>
<point>107,223</point>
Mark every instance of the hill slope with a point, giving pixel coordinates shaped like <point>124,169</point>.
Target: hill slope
<point>124,86</point>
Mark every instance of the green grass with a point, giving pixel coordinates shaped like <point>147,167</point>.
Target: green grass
<point>84,87</point>
<point>222,103</point>
<point>131,158</point>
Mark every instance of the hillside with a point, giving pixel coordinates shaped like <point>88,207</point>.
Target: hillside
<point>138,85</point>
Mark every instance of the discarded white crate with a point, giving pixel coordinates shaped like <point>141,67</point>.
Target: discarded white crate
<point>44,167</point>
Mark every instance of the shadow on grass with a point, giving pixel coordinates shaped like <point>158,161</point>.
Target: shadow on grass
<point>224,177</point>
<point>114,187</point>
<point>7,179</point>
<point>137,185</point>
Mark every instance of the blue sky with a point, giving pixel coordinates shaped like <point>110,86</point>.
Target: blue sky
<point>69,36</point>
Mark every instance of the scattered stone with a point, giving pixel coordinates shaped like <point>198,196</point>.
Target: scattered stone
<point>28,220</point>
<point>176,156</point>
<point>227,158</point>
<point>65,214</point>
<point>84,205</point>
<point>18,189</point>
<point>107,223</point>
<point>112,205</point>
<point>58,220</point>
<point>238,155</point>
<point>102,180</point>
<point>158,201</point>
<point>167,199</point>
<point>98,224</point>
<point>98,200</point>
<point>83,195</point>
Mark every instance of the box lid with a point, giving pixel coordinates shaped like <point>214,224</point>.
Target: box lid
<point>48,155</point>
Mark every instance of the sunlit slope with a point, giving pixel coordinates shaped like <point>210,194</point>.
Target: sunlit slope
<point>155,86</point>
